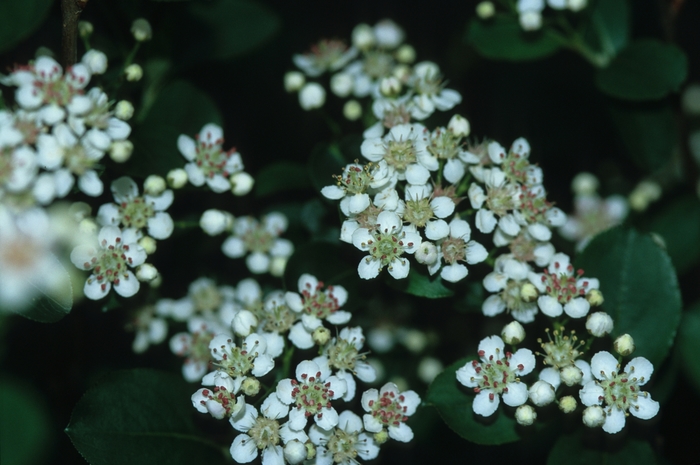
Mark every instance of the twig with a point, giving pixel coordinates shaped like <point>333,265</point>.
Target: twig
<point>71,10</point>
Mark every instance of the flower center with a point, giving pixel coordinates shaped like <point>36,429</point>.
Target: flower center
<point>265,432</point>
<point>561,284</point>
<point>77,160</point>
<point>320,304</point>
<point>236,361</point>
<point>135,213</point>
<point>111,265</point>
<point>211,159</point>
<point>418,212</point>
<point>258,239</point>
<point>621,390</point>
<point>312,395</point>
<point>562,351</point>
<point>501,198</point>
<point>444,144</point>
<point>395,116</point>
<point>327,52</point>
<point>343,446</point>
<point>342,355</point>
<point>400,154</point>
<point>454,249</point>
<point>388,410</point>
<point>278,318</point>
<point>222,396</point>
<point>387,246</point>
<point>495,374</point>
<point>533,206</point>
<point>356,179</point>
<point>378,64</point>
<point>206,298</point>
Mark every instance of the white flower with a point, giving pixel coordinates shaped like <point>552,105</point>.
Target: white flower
<point>508,280</point>
<point>389,409</point>
<point>619,391</point>
<point>429,90</point>
<point>149,328</point>
<point>18,168</point>
<point>219,401</point>
<point>194,346</point>
<point>498,374</point>
<point>355,183</point>
<point>214,222</point>
<point>327,55</point>
<point>116,251</point>
<point>458,247</point>
<point>385,244</point>
<point>343,443</point>
<point>207,161</point>
<point>250,358</point>
<point>423,208</point>
<point>312,96</point>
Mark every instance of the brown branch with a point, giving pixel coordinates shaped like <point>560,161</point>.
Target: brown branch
<point>71,10</point>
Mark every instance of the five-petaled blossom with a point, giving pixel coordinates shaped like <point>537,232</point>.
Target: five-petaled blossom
<point>389,409</point>
<point>497,374</point>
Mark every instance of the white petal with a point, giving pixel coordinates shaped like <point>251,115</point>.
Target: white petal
<point>160,226</point>
<point>603,364</point>
<point>187,147</point>
<point>402,432</point>
<point>614,421</point>
<point>485,406</point>
<point>90,184</point>
<point>549,306</point>
<point>94,290</point>
<point>417,174</point>
<point>128,285</point>
<point>399,268</point>
<point>645,408</point>
<point>516,395</point>
<point>454,273</point>
<point>368,268</point>
<point>243,449</point>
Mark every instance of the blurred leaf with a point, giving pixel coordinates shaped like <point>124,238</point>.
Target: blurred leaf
<point>222,29</point>
<point>140,417</point>
<point>502,38</point>
<point>324,162</point>
<point>609,28</point>
<point>281,177</point>
<point>316,258</point>
<point>570,449</point>
<point>18,20</point>
<point>25,434</point>
<point>649,132</point>
<point>640,288</point>
<point>679,224</point>
<point>645,70</point>
<point>421,285</point>
<point>180,108</point>
<point>54,302</point>
<point>689,345</point>
<point>454,403</point>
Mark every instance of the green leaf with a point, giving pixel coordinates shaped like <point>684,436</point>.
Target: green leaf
<point>645,70</point>
<point>279,177</point>
<point>649,132</point>
<point>140,417</point>
<point>640,288</point>
<point>689,345</point>
<point>325,162</point>
<point>679,224</point>
<point>502,38</point>
<point>454,403</point>
<point>18,20</point>
<point>316,258</point>
<point>24,430</point>
<point>573,450</point>
<point>421,285</point>
<point>609,28</point>
<point>180,108</point>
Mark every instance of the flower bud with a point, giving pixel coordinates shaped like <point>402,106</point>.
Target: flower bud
<point>429,368</point>
<point>541,393</point>
<point>525,415</point>
<point>567,404</point>
<point>528,292</point>
<point>293,81</point>
<point>148,244</point>
<point>645,193</point>
<point>177,178</point>
<point>624,345</point>
<point>87,226</point>
<point>352,110</point>
<point>124,110</point>
<point>250,386</point>
<point>156,282</point>
<point>459,126</point>
<point>311,96</point>
<point>531,20</point>
<point>599,324</point>
<point>146,272</point>
<point>415,340</point>
<point>402,73</point>
<point>277,266</point>
<point>241,183</point>
<point>577,5</point>
<point>593,416</point>
<point>341,84</point>
<point>513,333</point>
<point>133,72</point>
<point>485,10</point>
<point>121,150</point>
<point>584,184</point>
<point>141,30</point>
<point>321,335</point>
<point>388,34</point>
<point>310,450</point>
<point>571,375</point>
<point>154,185</point>
<point>294,452</point>
<point>95,60</point>
<point>214,222</point>
<point>690,100</point>
<point>426,254</point>
<point>244,322</point>
<point>381,437</point>
<point>390,87</point>
<point>406,54</point>
<point>363,36</point>
<point>595,297</point>
<point>85,29</point>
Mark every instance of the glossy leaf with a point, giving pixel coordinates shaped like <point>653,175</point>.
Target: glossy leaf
<point>609,27</point>
<point>640,288</point>
<point>679,225</point>
<point>325,162</point>
<point>51,304</point>
<point>454,403</point>
<point>572,450</point>
<point>502,38</point>
<point>421,285</point>
<point>280,177</point>
<point>142,417</point>
<point>19,19</point>
<point>645,70</point>
<point>689,345</point>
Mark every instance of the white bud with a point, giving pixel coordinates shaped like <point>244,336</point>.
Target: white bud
<point>567,404</point>
<point>429,368</point>
<point>85,29</point>
<point>321,335</point>
<point>645,193</point>
<point>146,272</point>
<point>571,375</point>
<point>485,10</point>
<point>577,5</point>
<point>133,72</point>
<point>244,322</point>
<point>311,96</point>
<point>95,60</point>
<point>177,178</point>
<point>124,110</point>
<point>156,282</point>
<point>690,100</point>
<point>595,297</point>
<point>388,34</point>
<point>528,292</point>
<point>141,30</point>
<point>402,73</point>
<point>121,150</point>
<point>599,324</point>
<point>406,54</point>
<point>459,126</point>
<point>294,452</point>
<point>525,415</point>
<point>530,20</point>
<point>341,84</point>
<point>415,340</point>
<point>214,222</point>
<point>352,110</point>
<point>363,36</point>
<point>390,86</point>
<point>584,184</point>
<point>154,185</point>
<point>513,333</point>
<point>426,253</point>
<point>624,345</point>
<point>241,183</point>
<point>148,244</point>
<point>293,81</point>
<point>594,416</point>
<point>541,393</point>
<point>277,266</point>
<point>79,211</point>
<point>87,226</point>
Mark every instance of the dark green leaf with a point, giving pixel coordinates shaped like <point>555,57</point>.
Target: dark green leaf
<point>649,132</point>
<point>689,345</point>
<point>679,224</point>
<point>640,288</point>
<point>502,38</point>
<point>609,28</point>
<point>140,417</point>
<point>317,259</point>
<point>454,403</point>
<point>421,285</point>
<point>646,70</point>
<point>279,177</point>
<point>180,108</point>
<point>573,450</point>
<point>324,162</point>
<point>19,19</point>
<point>24,430</point>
